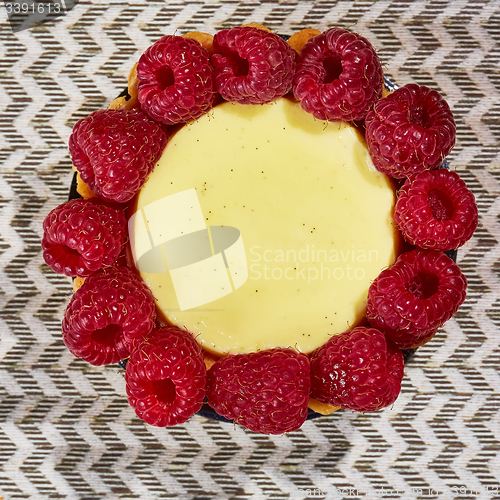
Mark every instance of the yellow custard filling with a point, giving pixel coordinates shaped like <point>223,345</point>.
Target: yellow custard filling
<point>262,227</point>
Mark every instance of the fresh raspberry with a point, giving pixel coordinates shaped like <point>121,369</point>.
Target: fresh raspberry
<point>436,210</point>
<point>81,236</point>
<point>166,377</point>
<point>410,131</point>
<point>358,369</point>
<point>107,314</point>
<point>339,76</point>
<point>176,82</point>
<point>252,66</point>
<point>115,150</point>
<point>411,299</point>
<point>265,391</point>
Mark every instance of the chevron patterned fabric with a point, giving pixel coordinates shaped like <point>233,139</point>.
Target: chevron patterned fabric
<point>66,430</point>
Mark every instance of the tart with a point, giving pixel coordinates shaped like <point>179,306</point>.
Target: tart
<point>259,180</point>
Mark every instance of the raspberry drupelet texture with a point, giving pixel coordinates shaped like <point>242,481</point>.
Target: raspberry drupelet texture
<point>111,311</point>
<point>81,236</point>
<point>339,76</point>
<point>166,377</point>
<point>115,150</point>
<point>413,298</point>
<point>410,131</point>
<point>252,66</point>
<point>176,82</point>
<point>436,210</point>
<point>358,369</point>
<point>265,391</point>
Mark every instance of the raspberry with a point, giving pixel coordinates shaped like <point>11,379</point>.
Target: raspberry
<point>410,300</point>
<point>436,210</point>
<point>252,66</point>
<point>106,315</point>
<point>81,236</point>
<point>115,150</point>
<point>166,377</point>
<point>265,391</point>
<point>175,80</point>
<point>358,369</point>
<point>339,76</point>
<point>410,131</point>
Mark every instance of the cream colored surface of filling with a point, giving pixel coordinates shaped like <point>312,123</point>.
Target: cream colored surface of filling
<point>315,218</point>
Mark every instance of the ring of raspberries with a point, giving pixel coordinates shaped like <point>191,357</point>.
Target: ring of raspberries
<point>336,76</point>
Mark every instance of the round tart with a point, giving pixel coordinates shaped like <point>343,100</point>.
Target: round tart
<point>278,273</point>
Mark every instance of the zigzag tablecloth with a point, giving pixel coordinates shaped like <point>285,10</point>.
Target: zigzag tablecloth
<point>66,430</point>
